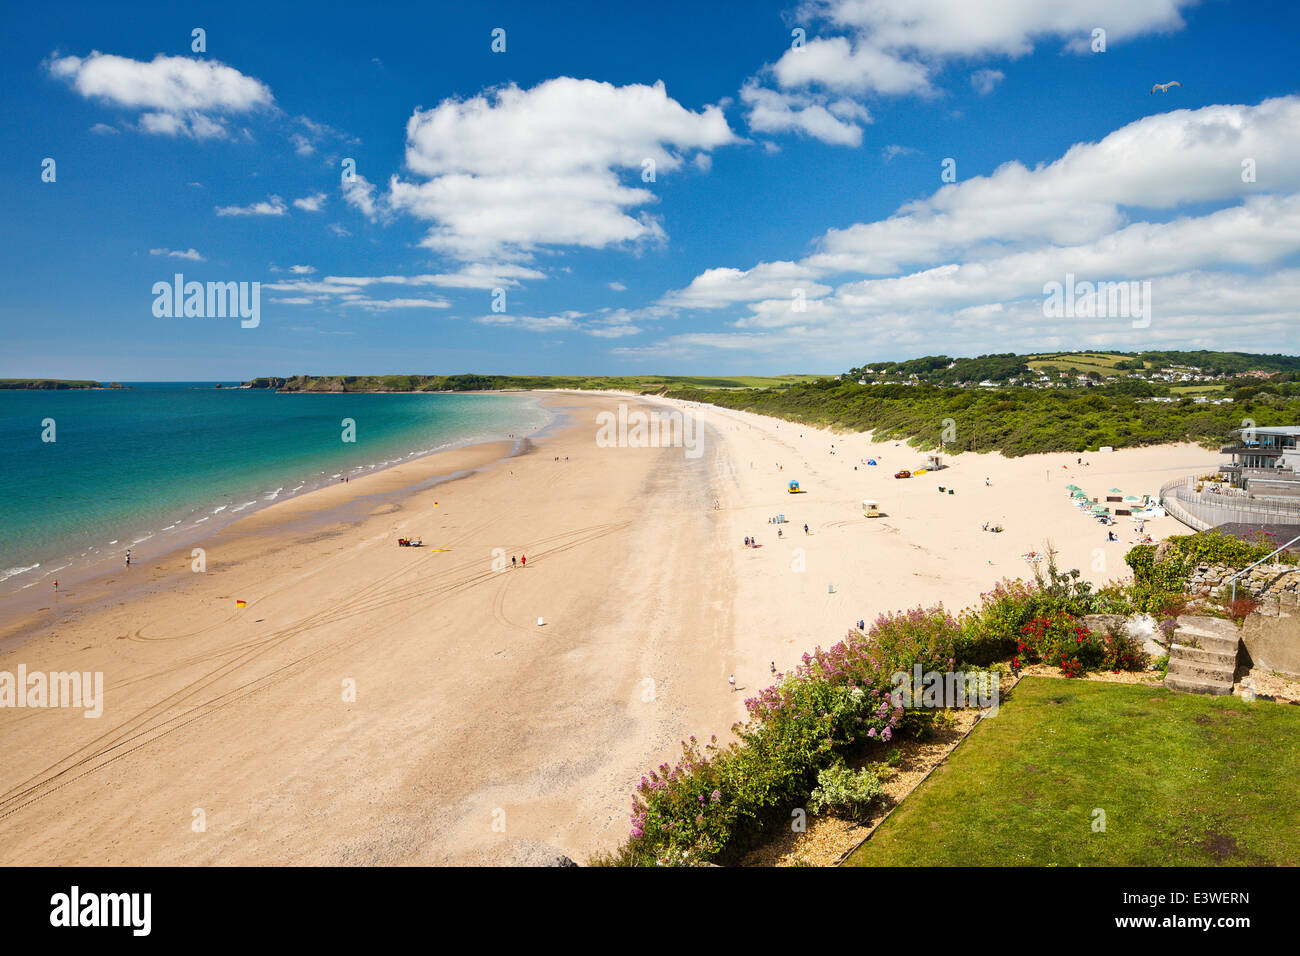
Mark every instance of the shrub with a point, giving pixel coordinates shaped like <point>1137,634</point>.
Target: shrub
<point>715,800</point>
<point>1123,653</point>
<point>1216,547</point>
<point>1060,641</point>
<point>1067,643</point>
<point>1241,607</point>
<point>991,632</point>
<point>848,792</point>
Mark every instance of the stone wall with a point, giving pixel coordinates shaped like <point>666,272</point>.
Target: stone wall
<point>1275,585</point>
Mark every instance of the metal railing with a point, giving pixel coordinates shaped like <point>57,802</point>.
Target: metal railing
<point>1204,510</point>
<point>1233,579</point>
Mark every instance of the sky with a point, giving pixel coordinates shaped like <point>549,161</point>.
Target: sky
<point>673,188</point>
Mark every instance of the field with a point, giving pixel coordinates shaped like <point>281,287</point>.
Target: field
<point>1182,780</point>
<point>1103,363</point>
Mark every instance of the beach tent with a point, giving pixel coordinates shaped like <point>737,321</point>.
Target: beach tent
<point>871,461</point>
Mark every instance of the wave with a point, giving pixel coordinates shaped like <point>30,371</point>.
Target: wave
<point>13,572</point>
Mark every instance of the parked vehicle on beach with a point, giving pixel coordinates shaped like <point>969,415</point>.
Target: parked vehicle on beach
<point>903,474</point>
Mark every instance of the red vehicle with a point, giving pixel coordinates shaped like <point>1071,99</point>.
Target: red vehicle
<point>903,474</point>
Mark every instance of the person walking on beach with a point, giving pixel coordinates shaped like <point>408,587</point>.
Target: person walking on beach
<point>774,667</point>
<point>732,681</point>
<point>805,529</point>
<point>514,562</point>
<point>523,560</point>
<point>128,557</point>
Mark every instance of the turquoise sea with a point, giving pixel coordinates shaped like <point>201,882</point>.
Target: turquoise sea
<point>135,465</point>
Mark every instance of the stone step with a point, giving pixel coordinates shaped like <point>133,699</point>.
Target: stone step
<point>1190,685</point>
<point>1199,670</point>
<point>1203,637</point>
<point>1206,655</point>
<point>1207,630</point>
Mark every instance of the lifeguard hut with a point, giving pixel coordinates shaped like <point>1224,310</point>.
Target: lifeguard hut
<point>794,488</point>
<point>933,462</point>
<point>870,508</point>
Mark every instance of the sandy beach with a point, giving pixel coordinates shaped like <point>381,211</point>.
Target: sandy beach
<point>381,705</point>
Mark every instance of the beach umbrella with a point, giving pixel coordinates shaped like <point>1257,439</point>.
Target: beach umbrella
<point>1073,487</point>
<point>1114,491</point>
<point>1132,498</point>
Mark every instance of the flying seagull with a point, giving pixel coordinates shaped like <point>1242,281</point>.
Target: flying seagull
<point>1164,87</point>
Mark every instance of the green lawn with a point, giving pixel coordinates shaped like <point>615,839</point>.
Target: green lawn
<point>1184,780</point>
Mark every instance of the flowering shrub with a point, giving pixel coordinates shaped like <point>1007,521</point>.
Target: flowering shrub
<point>1123,653</point>
<point>848,791</point>
<point>1067,643</point>
<point>835,699</point>
<point>1062,642</point>
<point>990,632</point>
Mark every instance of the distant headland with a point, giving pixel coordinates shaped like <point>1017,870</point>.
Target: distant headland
<point>48,384</point>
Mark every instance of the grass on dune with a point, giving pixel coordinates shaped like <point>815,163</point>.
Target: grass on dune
<point>1184,780</point>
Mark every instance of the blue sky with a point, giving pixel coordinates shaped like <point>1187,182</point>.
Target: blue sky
<point>797,219</point>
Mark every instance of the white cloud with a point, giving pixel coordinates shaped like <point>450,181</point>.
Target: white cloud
<point>103,129</point>
<point>313,203</point>
<point>383,304</point>
<point>302,145</point>
<point>505,173</point>
<point>967,265</point>
<point>176,96</point>
<point>530,323</point>
<point>191,254</point>
<point>840,65</point>
<point>772,111</point>
<point>897,47</point>
<point>486,275</point>
<point>302,270</point>
<point>716,288</point>
<point>271,206</point>
<point>893,151</point>
<point>359,193</point>
<point>618,286</point>
<point>983,81</point>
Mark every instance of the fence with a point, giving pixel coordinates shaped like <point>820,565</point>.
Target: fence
<point>1202,510</point>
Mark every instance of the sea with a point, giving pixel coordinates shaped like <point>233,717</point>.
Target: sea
<point>86,474</point>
